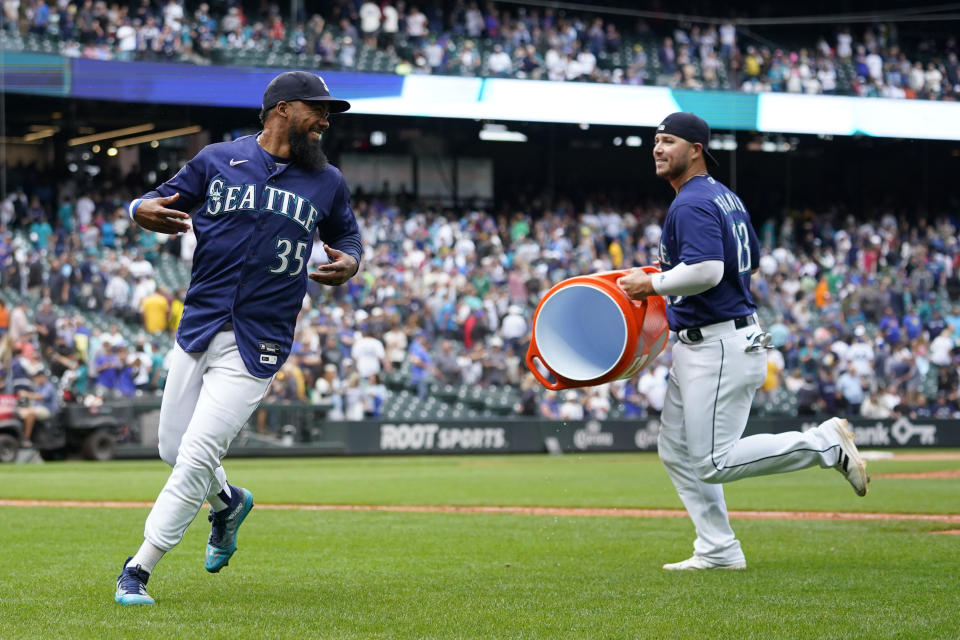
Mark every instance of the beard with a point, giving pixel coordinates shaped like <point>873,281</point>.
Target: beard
<point>305,152</point>
<point>675,169</point>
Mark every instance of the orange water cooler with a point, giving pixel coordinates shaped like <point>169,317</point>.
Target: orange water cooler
<point>587,331</point>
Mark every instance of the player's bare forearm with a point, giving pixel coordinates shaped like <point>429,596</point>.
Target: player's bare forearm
<point>637,284</point>
<point>342,267</point>
<point>152,214</point>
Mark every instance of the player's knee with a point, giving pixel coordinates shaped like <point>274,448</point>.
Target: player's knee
<point>708,471</point>
<point>196,458</point>
<point>171,450</point>
<point>168,452</point>
<point>168,445</point>
<point>668,449</point>
<point>668,456</point>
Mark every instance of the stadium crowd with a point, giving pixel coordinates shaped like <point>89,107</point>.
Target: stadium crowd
<point>465,37</point>
<point>864,314</point>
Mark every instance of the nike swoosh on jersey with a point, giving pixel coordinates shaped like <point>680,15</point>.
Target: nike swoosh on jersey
<point>234,163</point>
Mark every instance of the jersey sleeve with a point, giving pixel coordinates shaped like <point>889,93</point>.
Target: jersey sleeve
<point>700,236</point>
<point>190,182</point>
<point>340,229</point>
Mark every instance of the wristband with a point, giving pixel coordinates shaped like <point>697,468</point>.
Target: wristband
<point>132,209</point>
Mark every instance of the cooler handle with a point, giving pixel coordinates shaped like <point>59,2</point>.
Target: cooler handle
<point>534,353</point>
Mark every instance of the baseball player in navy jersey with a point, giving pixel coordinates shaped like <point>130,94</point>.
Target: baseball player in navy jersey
<point>255,204</point>
<point>708,249</point>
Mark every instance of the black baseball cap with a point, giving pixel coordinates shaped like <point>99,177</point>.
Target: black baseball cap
<point>691,128</point>
<point>300,85</point>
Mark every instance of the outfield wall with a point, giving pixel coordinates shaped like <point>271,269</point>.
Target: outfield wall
<point>305,434</point>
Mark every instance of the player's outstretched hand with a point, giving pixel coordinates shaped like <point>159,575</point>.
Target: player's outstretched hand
<point>152,214</point>
<point>637,284</point>
<point>342,267</point>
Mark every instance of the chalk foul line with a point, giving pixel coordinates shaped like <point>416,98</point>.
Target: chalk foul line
<point>531,511</point>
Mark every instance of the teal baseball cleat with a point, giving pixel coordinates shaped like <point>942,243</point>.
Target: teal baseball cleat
<point>132,586</point>
<point>223,530</point>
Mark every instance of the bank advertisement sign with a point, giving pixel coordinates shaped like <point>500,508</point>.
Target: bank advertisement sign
<point>536,436</point>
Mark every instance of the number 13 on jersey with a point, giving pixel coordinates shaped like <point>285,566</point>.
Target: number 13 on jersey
<point>742,235</point>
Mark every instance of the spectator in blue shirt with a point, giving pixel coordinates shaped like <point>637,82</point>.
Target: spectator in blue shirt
<point>912,325</point>
<point>108,235</point>
<point>633,402</point>
<point>850,387</point>
<point>41,14</point>
<point>890,326</point>
<point>421,364</point>
<point>108,370</point>
<point>447,319</point>
<point>126,387</point>
<point>550,406</point>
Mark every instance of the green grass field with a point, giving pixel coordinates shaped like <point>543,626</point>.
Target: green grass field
<point>343,574</point>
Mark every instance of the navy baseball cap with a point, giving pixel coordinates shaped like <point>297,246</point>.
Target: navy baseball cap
<point>690,127</point>
<point>300,85</point>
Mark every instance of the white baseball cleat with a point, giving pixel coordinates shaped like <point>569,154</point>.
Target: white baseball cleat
<point>697,563</point>
<point>850,463</point>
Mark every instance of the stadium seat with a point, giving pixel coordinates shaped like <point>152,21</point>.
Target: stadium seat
<point>446,392</point>
<point>475,396</point>
<point>384,64</point>
<point>500,402</point>
<point>781,402</point>
<point>11,42</point>
<point>394,381</point>
<point>604,62</point>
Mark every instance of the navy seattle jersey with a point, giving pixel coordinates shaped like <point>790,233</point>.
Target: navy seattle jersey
<point>707,221</point>
<point>255,220</point>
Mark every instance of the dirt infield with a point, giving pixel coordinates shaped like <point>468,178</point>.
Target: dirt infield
<point>931,455</point>
<point>531,511</point>
<point>921,475</point>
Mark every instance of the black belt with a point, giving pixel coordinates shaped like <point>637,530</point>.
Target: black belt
<point>695,335</point>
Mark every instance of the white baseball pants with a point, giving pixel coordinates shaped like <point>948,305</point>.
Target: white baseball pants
<point>206,401</point>
<point>709,394</point>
